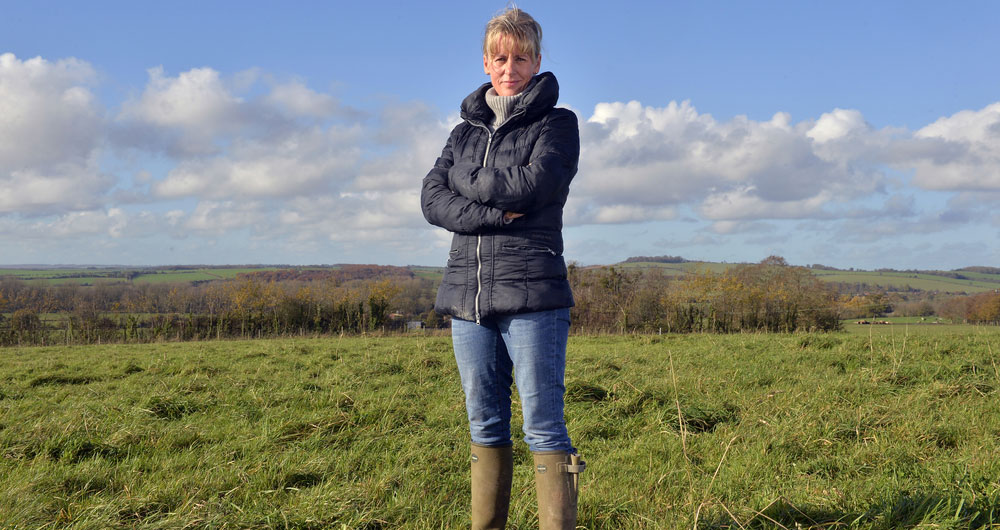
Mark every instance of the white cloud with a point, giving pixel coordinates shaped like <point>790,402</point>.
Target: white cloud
<point>740,227</point>
<point>299,100</point>
<point>47,112</point>
<point>580,212</point>
<point>959,152</point>
<point>308,178</point>
<point>195,100</point>
<point>414,137</point>
<point>50,129</point>
<point>307,161</point>
<point>746,203</point>
<point>288,165</point>
<point>112,223</point>
<point>739,169</point>
<point>189,115</point>
<point>973,126</point>
<point>837,125</point>
<point>218,218</point>
<point>200,112</point>
<point>59,187</point>
<point>348,215</point>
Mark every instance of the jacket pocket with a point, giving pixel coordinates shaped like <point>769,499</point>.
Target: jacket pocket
<point>454,273</point>
<point>529,249</point>
<point>527,263</point>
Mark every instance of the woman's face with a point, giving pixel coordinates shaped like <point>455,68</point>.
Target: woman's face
<point>510,70</point>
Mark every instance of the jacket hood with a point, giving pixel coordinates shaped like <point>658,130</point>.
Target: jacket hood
<point>541,95</point>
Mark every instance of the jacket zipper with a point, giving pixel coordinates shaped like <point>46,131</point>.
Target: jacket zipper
<point>479,238</point>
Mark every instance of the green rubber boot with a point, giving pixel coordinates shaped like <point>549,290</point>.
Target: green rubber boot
<point>557,476</point>
<point>492,468</point>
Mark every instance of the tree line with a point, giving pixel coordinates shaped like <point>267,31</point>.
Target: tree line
<point>770,296</point>
<point>252,305</point>
<point>767,296</point>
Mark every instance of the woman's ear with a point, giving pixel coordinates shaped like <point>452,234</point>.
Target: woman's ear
<point>486,64</point>
<point>538,63</point>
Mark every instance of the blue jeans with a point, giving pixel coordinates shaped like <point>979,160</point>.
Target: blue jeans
<point>529,348</point>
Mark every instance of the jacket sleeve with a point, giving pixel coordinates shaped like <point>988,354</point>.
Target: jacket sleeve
<point>552,165</point>
<point>449,210</point>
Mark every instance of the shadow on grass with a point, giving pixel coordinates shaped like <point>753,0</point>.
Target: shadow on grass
<point>905,510</point>
<point>62,380</point>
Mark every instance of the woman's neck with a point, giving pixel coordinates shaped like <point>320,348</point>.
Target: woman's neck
<point>502,106</point>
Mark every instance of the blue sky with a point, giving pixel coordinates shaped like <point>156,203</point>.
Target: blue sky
<point>853,134</point>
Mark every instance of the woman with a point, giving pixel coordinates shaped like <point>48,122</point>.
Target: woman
<point>500,186</point>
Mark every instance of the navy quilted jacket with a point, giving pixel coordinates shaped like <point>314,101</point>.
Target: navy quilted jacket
<point>525,166</point>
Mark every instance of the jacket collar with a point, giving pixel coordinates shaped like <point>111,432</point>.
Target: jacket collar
<point>541,96</point>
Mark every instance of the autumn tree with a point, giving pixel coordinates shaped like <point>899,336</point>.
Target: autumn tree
<point>984,308</point>
<point>380,296</point>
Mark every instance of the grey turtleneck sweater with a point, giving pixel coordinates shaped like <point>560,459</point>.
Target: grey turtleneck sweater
<point>502,106</point>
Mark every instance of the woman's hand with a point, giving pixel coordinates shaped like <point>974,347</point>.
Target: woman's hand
<point>510,216</point>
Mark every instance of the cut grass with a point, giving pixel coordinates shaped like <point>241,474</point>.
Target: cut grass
<point>739,431</point>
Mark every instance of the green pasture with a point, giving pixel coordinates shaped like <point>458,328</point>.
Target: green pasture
<point>80,280</point>
<point>982,276</point>
<point>903,330</point>
<point>65,276</point>
<point>197,275</point>
<point>926,282</point>
<point>92,276</point>
<point>975,283</point>
<point>677,269</point>
<point>914,321</point>
<point>429,273</point>
<point>31,274</point>
<point>696,431</point>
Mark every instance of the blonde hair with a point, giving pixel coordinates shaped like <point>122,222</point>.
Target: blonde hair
<point>517,25</point>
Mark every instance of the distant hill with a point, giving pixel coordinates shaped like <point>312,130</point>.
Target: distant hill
<point>983,270</point>
<point>967,280</point>
<point>685,267</point>
<point>932,281</point>
<point>655,259</point>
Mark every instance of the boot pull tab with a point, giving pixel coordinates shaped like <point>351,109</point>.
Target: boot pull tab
<point>575,465</point>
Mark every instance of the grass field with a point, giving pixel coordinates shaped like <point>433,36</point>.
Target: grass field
<point>891,430</point>
<point>61,276</point>
<point>430,273</point>
<point>31,274</point>
<point>196,275</point>
<point>677,269</point>
<point>901,326</point>
<point>94,275</point>
<point>975,283</point>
